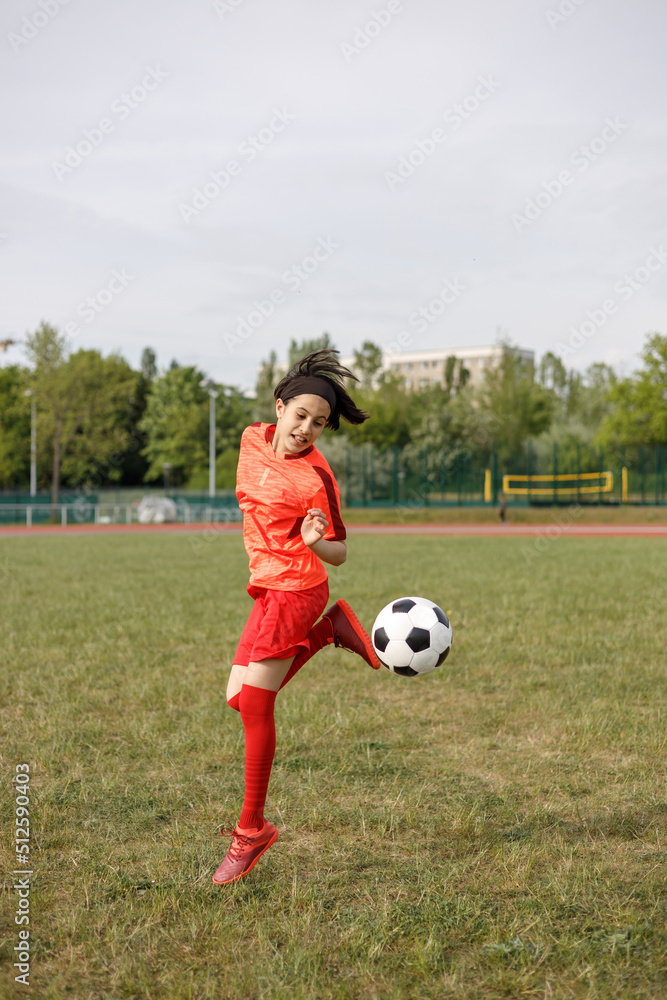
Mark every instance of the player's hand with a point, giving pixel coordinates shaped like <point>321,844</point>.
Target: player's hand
<point>314,525</point>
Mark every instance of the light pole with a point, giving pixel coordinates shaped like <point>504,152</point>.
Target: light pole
<point>33,442</point>
<point>209,385</point>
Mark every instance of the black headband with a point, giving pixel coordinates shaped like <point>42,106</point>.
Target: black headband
<point>311,385</point>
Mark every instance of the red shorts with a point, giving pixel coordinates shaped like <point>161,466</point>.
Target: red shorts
<point>279,622</point>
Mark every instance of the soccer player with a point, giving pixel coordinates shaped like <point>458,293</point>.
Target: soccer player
<point>291,527</point>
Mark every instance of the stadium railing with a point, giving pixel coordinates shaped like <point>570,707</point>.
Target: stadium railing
<point>112,513</point>
<point>411,477</point>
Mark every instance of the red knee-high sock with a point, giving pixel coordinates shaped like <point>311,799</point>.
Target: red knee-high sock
<point>256,706</point>
<point>233,702</point>
<point>320,634</point>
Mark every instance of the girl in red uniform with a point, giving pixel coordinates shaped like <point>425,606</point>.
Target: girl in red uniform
<point>291,527</point>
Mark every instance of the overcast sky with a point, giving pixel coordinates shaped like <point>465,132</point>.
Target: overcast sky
<point>495,164</point>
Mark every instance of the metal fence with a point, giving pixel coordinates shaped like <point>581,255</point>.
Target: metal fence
<point>412,477</point>
<point>409,477</point>
<point>425,477</point>
<point>93,510</point>
<point>635,475</point>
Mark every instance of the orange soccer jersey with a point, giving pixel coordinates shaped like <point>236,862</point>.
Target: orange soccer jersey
<point>275,492</point>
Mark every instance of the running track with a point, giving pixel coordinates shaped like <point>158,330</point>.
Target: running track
<point>552,530</point>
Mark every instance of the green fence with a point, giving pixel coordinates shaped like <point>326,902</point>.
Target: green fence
<point>112,506</point>
<point>575,474</point>
<point>80,507</point>
<point>635,475</point>
<point>411,477</point>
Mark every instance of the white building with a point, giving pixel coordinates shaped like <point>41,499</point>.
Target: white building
<point>422,369</point>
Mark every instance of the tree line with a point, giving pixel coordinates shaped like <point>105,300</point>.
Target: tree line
<point>101,423</point>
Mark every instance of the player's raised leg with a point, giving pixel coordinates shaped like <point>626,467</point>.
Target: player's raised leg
<point>339,626</point>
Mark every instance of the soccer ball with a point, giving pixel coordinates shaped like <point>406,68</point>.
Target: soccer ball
<point>412,636</point>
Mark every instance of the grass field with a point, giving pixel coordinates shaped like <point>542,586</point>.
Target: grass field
<point>567,514</point>
<point>496,829</point>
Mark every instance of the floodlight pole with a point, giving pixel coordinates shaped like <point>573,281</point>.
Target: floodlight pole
<point>33,443</point>
<point>209,385</point>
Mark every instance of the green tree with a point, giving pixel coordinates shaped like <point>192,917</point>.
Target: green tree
<point>580,403</point>
<point>14,426</point>
<point>82,401</point>
<point>640,402</point>
<point>299,350</point>
<point>391,410</point>
<point>513,406</point>
<point>133,462</point>
<point>589,395</point>
<point>553,375</point>
<point>267,379</point>
<point>106,389</point>
<point>148,365</point>
<point>233,413</point>
<point>441,421</point>
<point>225,472</point>
<point>367,363</point>
<point>175,423</point>
<point>456,375</point>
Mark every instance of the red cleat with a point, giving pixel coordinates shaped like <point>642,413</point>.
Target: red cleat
<point>349,633</point>
<point>245,851</point>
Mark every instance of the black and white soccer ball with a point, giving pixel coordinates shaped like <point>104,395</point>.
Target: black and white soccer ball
<point>412,636</point>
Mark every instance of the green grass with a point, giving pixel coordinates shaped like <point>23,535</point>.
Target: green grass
<point>496,829</point>
<point>516,514</point>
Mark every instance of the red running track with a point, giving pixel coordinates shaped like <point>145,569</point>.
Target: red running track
<point>552,530</point>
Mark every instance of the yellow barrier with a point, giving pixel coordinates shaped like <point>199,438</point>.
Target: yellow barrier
<point>606,484</point>
<point>487,486</point>
<point>624,485</point>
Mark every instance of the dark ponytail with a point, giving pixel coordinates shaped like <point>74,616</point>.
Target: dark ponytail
<point>324,365</point>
